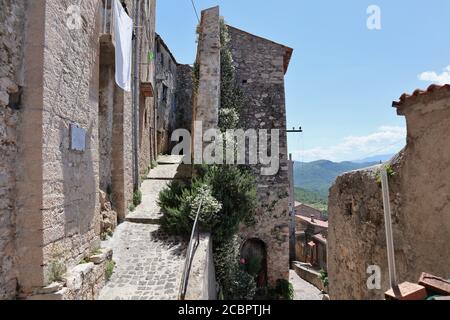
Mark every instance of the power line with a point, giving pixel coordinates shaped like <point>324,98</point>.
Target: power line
<point>195,10</point>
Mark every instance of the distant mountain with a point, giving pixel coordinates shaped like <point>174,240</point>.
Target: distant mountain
<point>313,179</point>
<point>377,158</point>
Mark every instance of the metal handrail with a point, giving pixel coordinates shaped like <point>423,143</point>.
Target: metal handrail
<point>195,235</point>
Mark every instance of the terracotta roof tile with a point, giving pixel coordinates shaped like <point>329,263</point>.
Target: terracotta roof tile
<point>406,98</point>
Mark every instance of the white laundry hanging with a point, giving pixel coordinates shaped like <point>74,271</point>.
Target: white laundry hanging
<point>123,28</point>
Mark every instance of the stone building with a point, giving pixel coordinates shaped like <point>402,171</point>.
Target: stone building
<point>260,66</point>
<point>66,140</point>
<point>311,241</point>
<point>166,84</point>
<point>419,192</point>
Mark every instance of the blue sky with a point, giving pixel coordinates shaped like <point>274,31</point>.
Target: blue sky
<point>343,77</point>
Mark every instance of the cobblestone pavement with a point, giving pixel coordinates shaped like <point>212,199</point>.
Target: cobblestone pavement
<point>148,264</point>
<point>303,290</point>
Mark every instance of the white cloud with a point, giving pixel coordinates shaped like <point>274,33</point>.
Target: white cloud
<point>386,140</point>
<point>432,76</point>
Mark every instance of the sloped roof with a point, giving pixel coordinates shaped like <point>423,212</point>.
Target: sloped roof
<point>288,51</point>
<point>411,98</point>
<point>319,223</point>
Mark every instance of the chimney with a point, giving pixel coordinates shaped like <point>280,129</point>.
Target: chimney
<point>312,218</point>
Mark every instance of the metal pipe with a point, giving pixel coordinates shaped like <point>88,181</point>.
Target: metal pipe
<point>190,253</point>
<point>137,55</point>
<point>388,226</point>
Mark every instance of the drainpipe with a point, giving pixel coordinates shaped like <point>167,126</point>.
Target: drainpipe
<point>137,63</point>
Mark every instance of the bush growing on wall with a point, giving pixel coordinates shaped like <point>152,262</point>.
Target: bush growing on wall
<point>180,205</point>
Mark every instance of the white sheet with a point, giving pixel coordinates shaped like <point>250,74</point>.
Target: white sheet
<point>123,28</point>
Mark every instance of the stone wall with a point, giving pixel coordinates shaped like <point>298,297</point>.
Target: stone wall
<point>260,69</point>
<point>420,202</point>
<point>53,80</point>
<point>184,96</point>
<point>57,187</point>
<point>83,282</point>
<point>207,95</point>
<point>166,86</point>
<point>147,130</point>
<point>11,44</point>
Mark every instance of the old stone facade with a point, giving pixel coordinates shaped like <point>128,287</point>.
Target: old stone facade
<point>260,68</point>
<point>207,95</point>
<point>11,46</point>
<point>419,191</point>
<point>166,86</point>
<point>66,135</point>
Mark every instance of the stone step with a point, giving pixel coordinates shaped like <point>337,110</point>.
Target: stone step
<point>170,172</point>
<point>142,219</point>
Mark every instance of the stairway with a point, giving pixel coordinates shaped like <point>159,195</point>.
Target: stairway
<point>149,263</point>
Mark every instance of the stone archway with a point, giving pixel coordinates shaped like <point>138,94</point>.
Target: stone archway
<point>254,257</point>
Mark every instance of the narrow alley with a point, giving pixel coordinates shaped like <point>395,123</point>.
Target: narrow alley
<point>148,263</point>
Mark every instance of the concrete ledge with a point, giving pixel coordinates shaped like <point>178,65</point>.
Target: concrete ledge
<point>202,279</point>
<point>309,275</point>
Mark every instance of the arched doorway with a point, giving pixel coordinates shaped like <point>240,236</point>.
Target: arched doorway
<point>254,258</point>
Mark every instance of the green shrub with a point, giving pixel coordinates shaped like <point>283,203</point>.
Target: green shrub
<point>324,278</point>
<point>231,97</point>
<point>131,208</point>
<point>137,198</point>
<point>390,173</point>
<point>235,189</point>
<point>236,284</point>
<point>239,285</point>
<point>284,290</point>
<point>56,270</point>
<point>180,205</point>
<point>154,164</point>
<point>109,269</point>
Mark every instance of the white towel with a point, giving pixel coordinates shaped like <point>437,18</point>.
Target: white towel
<point>123,28</point>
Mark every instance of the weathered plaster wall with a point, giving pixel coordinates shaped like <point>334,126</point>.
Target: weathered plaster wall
<point>260,74</point>
<point>11,44</point>
<point>420,204</point>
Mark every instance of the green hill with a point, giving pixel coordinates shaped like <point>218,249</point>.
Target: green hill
<point>314,199</point>
<point>313,179</point>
